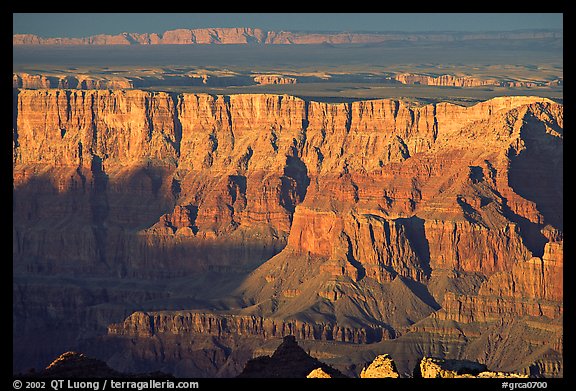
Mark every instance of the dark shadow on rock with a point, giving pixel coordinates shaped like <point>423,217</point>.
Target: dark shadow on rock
<point>360,270</point>
<point>15,93</point>
<point>536,173</point>
<point>99,207</point>
<point>104,223</point>
<point>415,232</point>
<point>470,214</point>
<point>421,291</point>
<point>295,182</point>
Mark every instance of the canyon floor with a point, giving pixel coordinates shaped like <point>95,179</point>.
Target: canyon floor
<point>182,209</point>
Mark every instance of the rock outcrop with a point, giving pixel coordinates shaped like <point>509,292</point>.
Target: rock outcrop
<point>288,361</point>
<point>382,367</point>
<point>73,364</point>
<point>430,367</point>
<point>468,81</point>
<point>274,79</point>
<point>318,373</point>
<point>444,80</point>
<point>258,36</point>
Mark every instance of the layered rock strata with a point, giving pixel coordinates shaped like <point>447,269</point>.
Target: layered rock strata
<point>141,324</point>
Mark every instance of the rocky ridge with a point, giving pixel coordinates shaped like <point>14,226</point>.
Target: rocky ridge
<point>447,80</point>
<point>258,36</point>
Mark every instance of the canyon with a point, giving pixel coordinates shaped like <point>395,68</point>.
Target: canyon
<point>188,233</point>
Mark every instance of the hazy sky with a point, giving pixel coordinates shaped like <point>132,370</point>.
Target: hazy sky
<point>85,24</point>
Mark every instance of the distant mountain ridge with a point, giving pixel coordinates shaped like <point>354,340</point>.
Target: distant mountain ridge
<point>245,35</point>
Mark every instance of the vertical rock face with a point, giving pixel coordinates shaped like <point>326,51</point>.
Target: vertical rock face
<point>73,128</point>
<point>371,215</point>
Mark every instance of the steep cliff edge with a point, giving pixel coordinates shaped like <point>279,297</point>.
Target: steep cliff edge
<point>363,219</point>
